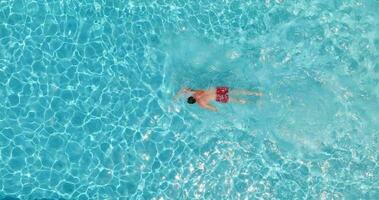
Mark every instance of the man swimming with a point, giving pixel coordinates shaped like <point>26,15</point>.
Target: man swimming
<point>219,94</point>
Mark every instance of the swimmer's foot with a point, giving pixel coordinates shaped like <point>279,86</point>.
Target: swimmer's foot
<point>241,101</point>
<point>234,100</point>
<point>254,93</point>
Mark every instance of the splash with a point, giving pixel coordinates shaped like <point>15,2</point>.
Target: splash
<point>201,63</point>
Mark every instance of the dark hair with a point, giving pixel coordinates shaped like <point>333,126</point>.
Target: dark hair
<point>191,100</point>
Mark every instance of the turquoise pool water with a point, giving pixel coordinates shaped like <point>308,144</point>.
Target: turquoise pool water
<point>86,108</point>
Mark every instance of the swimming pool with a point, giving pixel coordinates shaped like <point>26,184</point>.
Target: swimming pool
<point>86,108</point>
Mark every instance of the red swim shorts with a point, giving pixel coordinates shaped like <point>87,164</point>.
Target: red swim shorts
<point>222,94</point>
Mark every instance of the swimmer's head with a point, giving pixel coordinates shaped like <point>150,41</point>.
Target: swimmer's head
<point>191,100</point>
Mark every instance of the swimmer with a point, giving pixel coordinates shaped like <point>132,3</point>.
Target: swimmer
<point>219,94</point>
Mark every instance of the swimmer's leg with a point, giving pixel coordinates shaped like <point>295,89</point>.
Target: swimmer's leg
<point>245,92</point>
<point>235,100</point>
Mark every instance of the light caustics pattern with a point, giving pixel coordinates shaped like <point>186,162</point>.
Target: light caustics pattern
<point>86,108</point>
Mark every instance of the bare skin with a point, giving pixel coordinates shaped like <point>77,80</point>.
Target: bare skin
<point>203,97</point>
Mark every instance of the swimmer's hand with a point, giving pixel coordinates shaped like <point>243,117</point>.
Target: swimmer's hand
<point>182,91</point>
<point>186,90</point>
<point>259,94</point>
<point>178,94</point>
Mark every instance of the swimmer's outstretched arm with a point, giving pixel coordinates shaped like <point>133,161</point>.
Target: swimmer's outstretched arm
<point>182,91</point>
